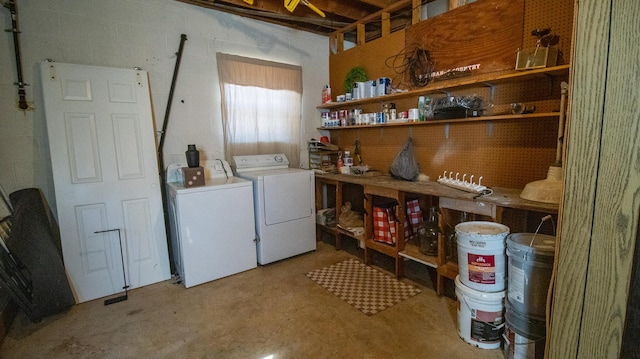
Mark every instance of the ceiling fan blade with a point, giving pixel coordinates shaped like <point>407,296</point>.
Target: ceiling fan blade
<point>291,4</point>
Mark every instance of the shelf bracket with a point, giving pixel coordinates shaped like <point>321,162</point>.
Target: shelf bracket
<point>446,131</point>
<point>490,128</point>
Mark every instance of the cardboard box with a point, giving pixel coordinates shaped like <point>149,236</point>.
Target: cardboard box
<point>193,176</point>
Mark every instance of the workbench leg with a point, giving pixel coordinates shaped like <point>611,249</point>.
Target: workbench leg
<point>399,267</point>
<point>367,255</point>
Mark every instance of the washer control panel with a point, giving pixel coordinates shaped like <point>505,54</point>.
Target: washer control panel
<point>260,162</point>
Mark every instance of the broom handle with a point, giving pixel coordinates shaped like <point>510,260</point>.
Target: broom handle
<point>563,101</point>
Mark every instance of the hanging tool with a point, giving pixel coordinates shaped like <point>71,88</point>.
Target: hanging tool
<point>22,96</point>
<point>291,5</point>
<point>124,275</point>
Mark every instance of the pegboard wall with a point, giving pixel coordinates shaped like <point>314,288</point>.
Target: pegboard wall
<point>507,153</point>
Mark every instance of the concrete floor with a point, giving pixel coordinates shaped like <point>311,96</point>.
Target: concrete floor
<point>272,312</point>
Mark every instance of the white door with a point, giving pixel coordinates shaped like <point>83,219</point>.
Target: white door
<point>105,172</point>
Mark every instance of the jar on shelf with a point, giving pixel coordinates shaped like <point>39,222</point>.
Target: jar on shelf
<point>428,234</point>
<point>452,241</point>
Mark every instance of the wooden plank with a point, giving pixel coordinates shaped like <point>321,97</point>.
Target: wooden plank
<point>370,55</point>
<point>361,34</point>
<point>491,35</point>
<point>565,339</point>
<point>617,197</point>
<point>416,13</point>
<point>391,8</point>
<point>480,208</point>
<point>386,24</point>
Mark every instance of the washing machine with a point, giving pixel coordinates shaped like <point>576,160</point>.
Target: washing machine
<point>284,205</point>
<point>211,226</point>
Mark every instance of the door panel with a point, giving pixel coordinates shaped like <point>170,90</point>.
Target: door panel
<point>82,147</point>
<point>105,172</point>
<point>128,146</point>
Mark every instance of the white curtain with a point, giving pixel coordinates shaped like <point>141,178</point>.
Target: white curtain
<point>261,107</point>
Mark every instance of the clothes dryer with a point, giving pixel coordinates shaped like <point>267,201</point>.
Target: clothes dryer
<point>284,205</point>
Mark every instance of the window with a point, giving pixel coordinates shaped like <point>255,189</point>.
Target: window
<point>261,107</point>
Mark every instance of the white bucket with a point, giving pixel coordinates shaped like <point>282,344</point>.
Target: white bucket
<point>480,316</point>
<point>481,255</point>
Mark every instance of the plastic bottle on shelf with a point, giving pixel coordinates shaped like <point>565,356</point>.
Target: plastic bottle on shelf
<point>347,161</point>
<point>392,111</point>
<point>386,115</point>
<point>326,94</point>
<point>421,108</point>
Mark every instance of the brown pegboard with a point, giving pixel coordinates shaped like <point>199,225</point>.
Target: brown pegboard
<point>507,153</point>
<point>554,14</point>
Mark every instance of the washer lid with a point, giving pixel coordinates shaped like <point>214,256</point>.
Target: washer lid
<point>210,184</point>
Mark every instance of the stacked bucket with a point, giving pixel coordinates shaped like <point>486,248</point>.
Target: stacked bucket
<point>485,291</point>
<point>530,267</point>
<point>481,282</point>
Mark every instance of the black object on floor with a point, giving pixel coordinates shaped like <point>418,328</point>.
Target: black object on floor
<point>34,244</point>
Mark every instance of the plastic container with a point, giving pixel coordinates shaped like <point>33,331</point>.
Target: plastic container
<point>480,316</point>
<point>481,255</point>
<point>530,259</point>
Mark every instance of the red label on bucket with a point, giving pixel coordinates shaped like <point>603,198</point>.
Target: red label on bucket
<point>482,268</point>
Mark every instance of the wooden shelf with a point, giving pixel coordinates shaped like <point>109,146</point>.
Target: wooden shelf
<point>452,120</point>
<point>349,234</point>
<point>388,249</point>
<point>411,252</point>
<point>448,270</point>
<point>490,80</point>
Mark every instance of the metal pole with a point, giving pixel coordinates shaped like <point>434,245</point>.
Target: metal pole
<point>163,189</point>
<point>13,9</point>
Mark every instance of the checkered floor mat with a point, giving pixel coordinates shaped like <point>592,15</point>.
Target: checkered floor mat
<point>367,289</point>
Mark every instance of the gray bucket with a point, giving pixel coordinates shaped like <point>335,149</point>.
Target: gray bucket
<point>530,266</point>
<point>524,336</point>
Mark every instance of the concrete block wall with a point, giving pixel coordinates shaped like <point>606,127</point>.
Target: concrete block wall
<point>146,34</point>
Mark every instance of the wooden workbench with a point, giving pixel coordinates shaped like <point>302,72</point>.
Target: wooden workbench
<point>447,198</point>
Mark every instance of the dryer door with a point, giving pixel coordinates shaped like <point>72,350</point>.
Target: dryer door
<point>287,197</point>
